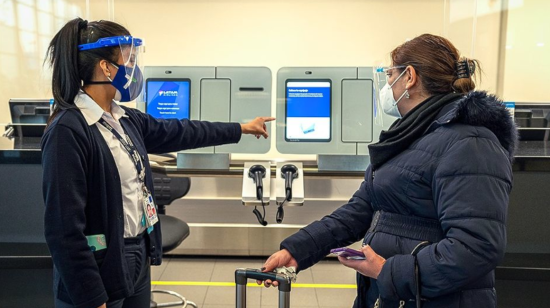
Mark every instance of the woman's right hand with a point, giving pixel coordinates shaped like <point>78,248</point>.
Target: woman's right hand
<point>279,259</point>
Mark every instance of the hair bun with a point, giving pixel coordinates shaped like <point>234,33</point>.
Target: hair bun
<point>82,24</point>
<point>464,69</point>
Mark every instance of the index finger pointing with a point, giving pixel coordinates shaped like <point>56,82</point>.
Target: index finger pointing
<point>267,119</point>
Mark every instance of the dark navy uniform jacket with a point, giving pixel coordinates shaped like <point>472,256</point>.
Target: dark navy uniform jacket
<point>458,173</point>
<point>82,194</point>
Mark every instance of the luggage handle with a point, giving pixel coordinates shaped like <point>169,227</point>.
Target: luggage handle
<point>241,278</point>
<point>243,274</point>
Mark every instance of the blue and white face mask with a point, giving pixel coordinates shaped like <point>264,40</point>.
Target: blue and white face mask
<point>128,83</point>
<point>389,104</point>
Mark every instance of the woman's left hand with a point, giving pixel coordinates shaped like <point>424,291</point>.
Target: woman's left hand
<point>370,267</point>
<point>257,127</point>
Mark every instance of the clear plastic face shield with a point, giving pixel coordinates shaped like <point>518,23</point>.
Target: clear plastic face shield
<point>128,79</point>
<point>130,51</point>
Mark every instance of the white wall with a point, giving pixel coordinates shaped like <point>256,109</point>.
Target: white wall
<point>274,33</point>
<point>527,61</point>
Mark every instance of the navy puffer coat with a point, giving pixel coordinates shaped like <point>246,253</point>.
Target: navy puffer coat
<point>457,174</point>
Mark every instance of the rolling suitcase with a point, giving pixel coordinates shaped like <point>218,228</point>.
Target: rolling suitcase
<point>241,278</point>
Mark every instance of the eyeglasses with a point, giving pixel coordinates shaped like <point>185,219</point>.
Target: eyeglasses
<point>387,69</point>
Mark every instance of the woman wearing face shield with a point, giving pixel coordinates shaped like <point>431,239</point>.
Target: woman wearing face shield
<point>97,180</point>
<point>431,210</point>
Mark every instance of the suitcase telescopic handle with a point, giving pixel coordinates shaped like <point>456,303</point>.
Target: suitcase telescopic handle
<point>242,276</point>
<point>241,279</point>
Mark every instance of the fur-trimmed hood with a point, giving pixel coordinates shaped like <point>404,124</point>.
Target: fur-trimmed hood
<point>478,108</point>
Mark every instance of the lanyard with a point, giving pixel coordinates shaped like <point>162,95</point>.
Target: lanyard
<point>129,147</point>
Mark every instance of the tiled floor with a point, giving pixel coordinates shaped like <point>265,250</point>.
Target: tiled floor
<point>223,270</point>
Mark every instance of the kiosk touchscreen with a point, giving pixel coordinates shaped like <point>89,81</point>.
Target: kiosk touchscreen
<point>29,118</point>
<point>168,98</point>
<point>29,111</point>
<point>308,110</point>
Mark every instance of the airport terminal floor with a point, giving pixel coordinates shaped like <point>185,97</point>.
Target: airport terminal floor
<point>210,283</point>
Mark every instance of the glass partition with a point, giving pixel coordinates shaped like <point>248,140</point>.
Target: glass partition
<point>26,29</point>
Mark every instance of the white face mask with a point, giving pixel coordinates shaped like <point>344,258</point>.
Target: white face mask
<point>389,104</point>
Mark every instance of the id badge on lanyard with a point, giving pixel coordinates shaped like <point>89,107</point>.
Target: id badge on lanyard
<point>150,215</point>
<point>149,208</point>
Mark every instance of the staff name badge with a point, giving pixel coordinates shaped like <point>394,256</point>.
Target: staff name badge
<point>149,209</point>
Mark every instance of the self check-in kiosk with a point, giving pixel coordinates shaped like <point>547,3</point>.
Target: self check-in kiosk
<point>330,112</point>
<point>225,94</point>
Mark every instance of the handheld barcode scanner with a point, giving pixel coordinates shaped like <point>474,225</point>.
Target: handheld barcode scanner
<point>257,173</point>
<point>289,173</point>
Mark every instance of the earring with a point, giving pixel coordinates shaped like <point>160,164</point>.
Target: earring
<point>407,94</point>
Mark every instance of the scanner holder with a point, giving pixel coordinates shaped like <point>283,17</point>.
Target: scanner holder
<point>257,187</point>
<point>250,193</point>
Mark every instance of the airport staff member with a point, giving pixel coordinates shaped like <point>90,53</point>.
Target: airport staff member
<point>97,179</point>
<point>432,208</point>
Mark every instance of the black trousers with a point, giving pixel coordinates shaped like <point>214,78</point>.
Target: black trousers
<point>138,264</point>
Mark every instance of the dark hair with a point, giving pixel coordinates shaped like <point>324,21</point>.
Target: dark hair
<point>438,64</point>
<point>72,67</point>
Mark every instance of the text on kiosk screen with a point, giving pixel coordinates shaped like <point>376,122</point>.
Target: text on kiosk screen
<point>168,99</point>
<point>308,110</point>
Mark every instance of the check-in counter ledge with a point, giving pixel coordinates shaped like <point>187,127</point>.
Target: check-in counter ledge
<point>525,266</point>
